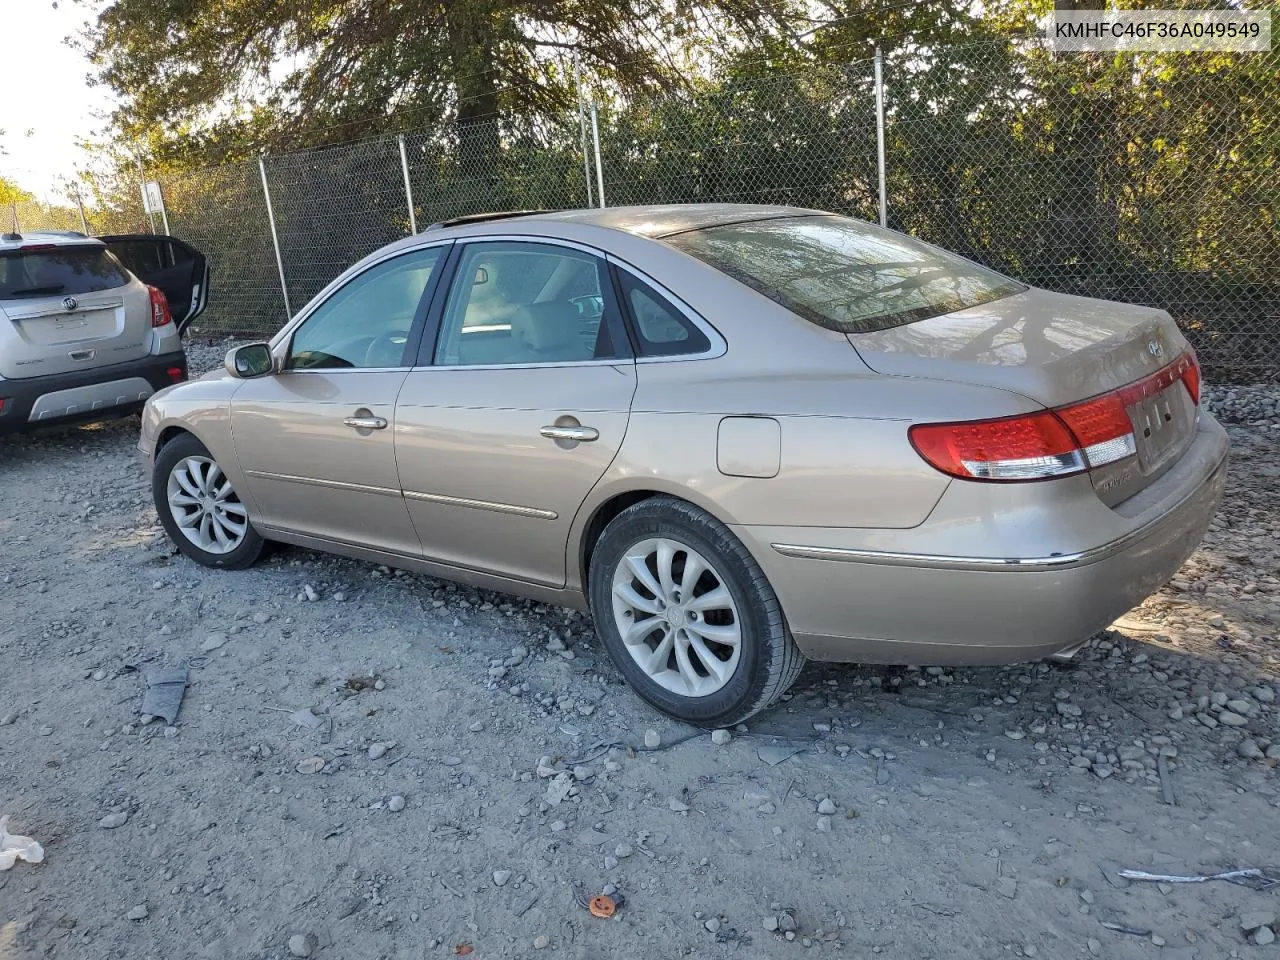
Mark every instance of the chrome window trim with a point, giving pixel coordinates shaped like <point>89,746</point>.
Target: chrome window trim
<point>285,333</point>
<point>617,362</point>
<point>329,370</point>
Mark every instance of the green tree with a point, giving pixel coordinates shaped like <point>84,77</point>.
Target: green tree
<point>208,73</point>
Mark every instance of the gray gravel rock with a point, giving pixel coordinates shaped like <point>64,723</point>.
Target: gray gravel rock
<point>300,945</point>
<point>139,912</point>
<point>113,820</point>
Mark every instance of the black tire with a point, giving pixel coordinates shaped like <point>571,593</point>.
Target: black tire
<point>172,454</point>
<point>769,661</point>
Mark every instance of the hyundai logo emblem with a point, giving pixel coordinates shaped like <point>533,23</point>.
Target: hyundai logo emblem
<point>1155,349</point>
<point>70,303</point>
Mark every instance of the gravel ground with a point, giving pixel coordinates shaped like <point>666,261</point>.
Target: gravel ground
<point>374,764</point>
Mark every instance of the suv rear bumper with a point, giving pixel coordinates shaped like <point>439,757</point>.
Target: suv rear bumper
<point>86,395</point>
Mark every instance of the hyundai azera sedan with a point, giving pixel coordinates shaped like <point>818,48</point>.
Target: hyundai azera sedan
<point>740,436</point>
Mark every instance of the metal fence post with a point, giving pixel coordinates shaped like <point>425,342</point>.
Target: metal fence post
<point>595,138</point>
<point>275,239</point>
<point>408,186</point>
<point>880,161</point>
<point>582,131</point>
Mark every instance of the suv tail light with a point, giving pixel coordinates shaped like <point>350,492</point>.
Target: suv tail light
<point>1052,443</point>
<point>160,314</point>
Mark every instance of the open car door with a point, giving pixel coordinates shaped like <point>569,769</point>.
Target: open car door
<point>177,268</point>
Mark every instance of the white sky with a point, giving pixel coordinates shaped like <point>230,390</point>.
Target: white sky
<point>46,92</point>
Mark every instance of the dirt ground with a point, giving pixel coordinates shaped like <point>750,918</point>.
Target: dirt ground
<point>478,760</point>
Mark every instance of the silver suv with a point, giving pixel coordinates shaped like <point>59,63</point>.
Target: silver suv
<point>90,327</point>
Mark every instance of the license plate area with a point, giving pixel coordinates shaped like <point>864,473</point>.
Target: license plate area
<point>1161,425</point>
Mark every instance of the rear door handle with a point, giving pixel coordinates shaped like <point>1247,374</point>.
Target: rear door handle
<point>576,434</point>
<point>365,423</point>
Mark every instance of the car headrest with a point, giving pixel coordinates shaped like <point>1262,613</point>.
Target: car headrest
<point>550,328</point>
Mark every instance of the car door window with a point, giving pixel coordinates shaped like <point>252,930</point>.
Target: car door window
<point>366,322</point>
<point>520,303</point>
<point>661,329</point>
<point>150,255</point>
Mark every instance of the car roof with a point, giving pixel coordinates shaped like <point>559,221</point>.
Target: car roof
<point>59,238</point>
<point>649,220</point>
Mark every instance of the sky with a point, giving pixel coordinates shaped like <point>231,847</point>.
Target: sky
<point>46,93</point>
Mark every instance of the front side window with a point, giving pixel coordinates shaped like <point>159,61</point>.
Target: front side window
<point>514,302</point>
<point>844,274</point>
<point>59,271</point>
<point>366,323</point>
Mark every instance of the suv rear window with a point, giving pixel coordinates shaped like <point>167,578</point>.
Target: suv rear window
<point>844,274</point>
<point>58,271</point>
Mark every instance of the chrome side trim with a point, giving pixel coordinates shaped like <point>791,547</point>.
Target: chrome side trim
<point>888,558</point>
<point>1057,561</point>
<point>318,482</point>
<point>531,512</point>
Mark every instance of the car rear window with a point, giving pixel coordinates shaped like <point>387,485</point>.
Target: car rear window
<point>58,272</point>
<point>844,274</point>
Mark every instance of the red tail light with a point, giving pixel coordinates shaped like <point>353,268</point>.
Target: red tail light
<point>160,314</point>
<point>176,374</point>
<point>1052,443</point>
<point>1191,375</point>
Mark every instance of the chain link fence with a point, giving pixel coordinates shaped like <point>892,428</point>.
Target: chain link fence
<point>1151,179</point>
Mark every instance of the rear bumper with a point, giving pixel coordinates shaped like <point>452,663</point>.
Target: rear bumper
<point>917,607</point>
<point>85,395</point>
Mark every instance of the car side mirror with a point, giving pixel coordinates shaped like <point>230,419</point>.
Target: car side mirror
<point>250,360</point>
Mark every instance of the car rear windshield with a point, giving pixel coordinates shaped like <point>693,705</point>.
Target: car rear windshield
<point>844,274</point>
<point>58,272</point>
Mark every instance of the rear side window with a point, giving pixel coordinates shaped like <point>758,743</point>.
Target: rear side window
<point>149,254</point>
<point>844,274</point>
<point>58,272</point>
<point>661,330</point>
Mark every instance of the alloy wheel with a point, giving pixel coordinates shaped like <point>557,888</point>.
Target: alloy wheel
<point>205,506</point>
<point>676,617</point>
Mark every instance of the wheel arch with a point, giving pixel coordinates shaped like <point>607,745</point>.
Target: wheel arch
<point>611,503</point>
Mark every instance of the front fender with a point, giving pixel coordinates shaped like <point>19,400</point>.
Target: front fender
<point>201,408</point>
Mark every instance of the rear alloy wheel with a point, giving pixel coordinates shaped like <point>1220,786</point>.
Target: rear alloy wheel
<point>688,616</point>
<point>199,507</point>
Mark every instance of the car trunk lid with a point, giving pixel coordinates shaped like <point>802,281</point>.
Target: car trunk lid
<point>1058,350</point>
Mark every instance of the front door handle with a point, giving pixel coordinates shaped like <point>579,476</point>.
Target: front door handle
<point>365,423</point>
<point>574,434</point>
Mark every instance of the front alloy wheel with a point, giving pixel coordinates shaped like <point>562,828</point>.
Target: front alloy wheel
<point>205,505</point>
<point>199,508</point>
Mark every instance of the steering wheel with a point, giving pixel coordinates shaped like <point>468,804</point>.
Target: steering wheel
<point>387,349</point>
